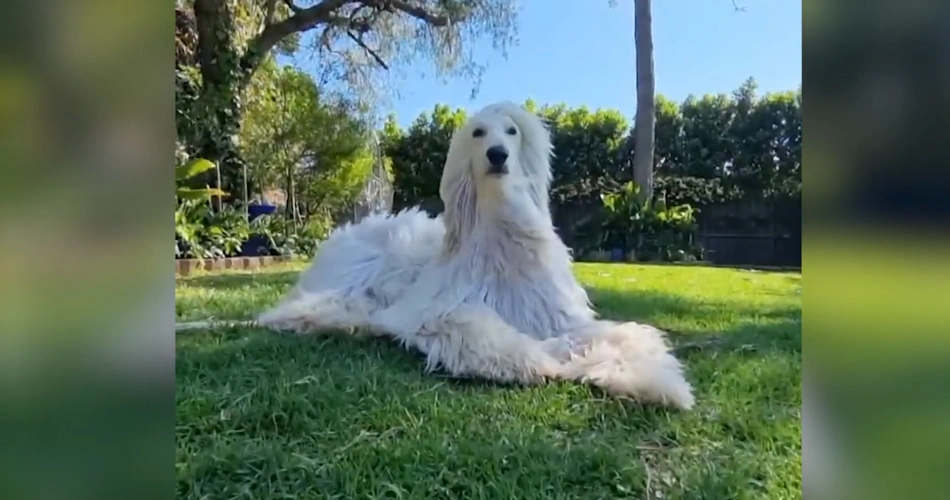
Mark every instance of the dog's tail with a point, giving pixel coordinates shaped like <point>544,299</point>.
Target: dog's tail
<point>624,359</point>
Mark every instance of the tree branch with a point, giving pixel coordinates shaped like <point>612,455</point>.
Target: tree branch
<point>417,12</point>
<point>269,8</point>
<point>359,41</point>
<point>324,12</point>
<point>737,7</point>
<point>292,6</point>
<point>302,20</point>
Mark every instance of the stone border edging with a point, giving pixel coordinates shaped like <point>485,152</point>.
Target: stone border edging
<point>186,267</point>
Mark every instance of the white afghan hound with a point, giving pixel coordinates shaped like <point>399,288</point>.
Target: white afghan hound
<point>486,289</point>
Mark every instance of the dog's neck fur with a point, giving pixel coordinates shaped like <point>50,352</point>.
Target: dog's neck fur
<point>516,224</point>
<point>519,266</point>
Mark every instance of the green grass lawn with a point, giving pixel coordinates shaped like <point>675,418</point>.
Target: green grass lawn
<point>263,415</point>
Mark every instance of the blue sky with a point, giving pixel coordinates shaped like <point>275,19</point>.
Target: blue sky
<point>581,52</point>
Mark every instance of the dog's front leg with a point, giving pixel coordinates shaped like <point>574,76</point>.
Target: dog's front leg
<point>437,289</point>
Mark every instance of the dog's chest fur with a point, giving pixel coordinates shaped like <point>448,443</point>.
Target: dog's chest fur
<point>529,283</point>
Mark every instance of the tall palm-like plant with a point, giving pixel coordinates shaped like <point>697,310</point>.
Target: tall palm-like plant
<point>645,125</point>
<point>187,225</point>
<point>188,170</point>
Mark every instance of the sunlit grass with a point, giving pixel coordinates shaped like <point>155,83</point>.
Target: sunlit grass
<point>262,415</point>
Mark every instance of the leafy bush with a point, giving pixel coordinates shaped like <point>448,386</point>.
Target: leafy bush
<point>649,232</point>
<point>623,216</point>
<point>284,238</point>
<point>709,150</point>
<point>193,235</point>
<point>694,191</point>
<point>587,145</point>
<point>418,153</point>
<point>201,233</point>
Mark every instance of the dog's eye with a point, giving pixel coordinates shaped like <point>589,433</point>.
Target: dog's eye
<point>512,131</point>
<point>479,132</point>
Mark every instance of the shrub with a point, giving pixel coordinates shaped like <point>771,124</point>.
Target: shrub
<point>201,233</point>
<point>649,232</point>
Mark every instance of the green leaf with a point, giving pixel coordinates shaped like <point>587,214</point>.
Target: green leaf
<point>194,167</point>
<point>198,194</point>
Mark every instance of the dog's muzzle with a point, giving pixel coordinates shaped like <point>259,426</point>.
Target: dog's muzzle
<point>497,160</point>
<point>498,169</point>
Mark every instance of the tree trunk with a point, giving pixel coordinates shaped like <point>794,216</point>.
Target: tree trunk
<point>645,126</point>
<point>226,71</point>
<point>247,215</point>
<point>288,194</point>
<point>218,202</point>
<point>219,98</point>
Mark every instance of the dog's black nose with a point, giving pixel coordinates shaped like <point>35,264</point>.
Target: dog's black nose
<point>497,156</point>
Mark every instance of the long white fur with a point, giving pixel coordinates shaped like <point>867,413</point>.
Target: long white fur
<point>486,289</point>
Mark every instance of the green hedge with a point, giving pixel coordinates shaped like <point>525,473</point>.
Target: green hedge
<point>709,150</point>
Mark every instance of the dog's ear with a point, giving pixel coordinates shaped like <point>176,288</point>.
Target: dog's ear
<point>535,155</point>
<point>457,190</point>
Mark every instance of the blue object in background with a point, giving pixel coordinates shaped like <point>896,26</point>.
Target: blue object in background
<point>257,245</point>
<point>616,255</point>
<point>254,210</point>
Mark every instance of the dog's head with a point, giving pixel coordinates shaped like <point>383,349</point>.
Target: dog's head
<point>501,147</point>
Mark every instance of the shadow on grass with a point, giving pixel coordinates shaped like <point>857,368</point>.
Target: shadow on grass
<point>643,304</point>
<point>705,324</point>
